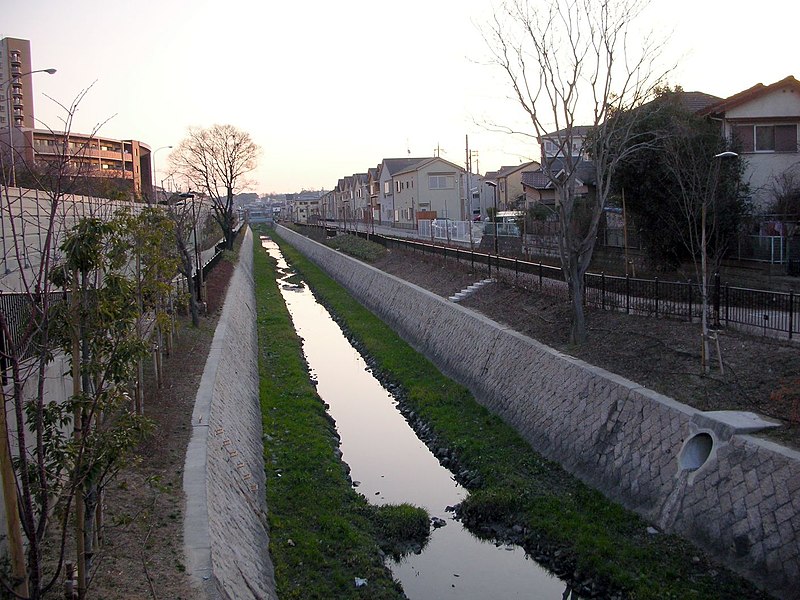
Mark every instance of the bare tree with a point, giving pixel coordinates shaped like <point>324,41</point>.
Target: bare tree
<point>705,173</point>
<point>55,456</point>
<point>571,64</point>
<point>215,161</point>
<point>180,210</point>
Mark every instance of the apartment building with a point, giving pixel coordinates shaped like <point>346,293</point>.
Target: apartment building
<point>16,83</point>
<point>124,164</point>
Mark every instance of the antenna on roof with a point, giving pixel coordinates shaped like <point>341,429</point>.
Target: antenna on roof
<point>408,148</point>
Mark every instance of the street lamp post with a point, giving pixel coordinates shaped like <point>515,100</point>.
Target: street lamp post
<point>7,84</point>
<point>153,177</point>
<point>710,193</point>
<point>197,262</point>
<point>197,257</point>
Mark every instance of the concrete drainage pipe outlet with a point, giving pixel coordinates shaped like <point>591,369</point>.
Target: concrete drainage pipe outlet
<point>696,452</point>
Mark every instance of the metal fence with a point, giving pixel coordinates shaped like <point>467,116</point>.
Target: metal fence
<point>773,249</point>
<point>748,309</point>
<point>19,314</point>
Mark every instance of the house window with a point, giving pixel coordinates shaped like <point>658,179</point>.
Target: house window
<point>387,188</point>
<point>767,138</point>
<point>398,185</point>
<point>441,182</point>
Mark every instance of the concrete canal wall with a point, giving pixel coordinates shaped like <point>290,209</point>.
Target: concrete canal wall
<point>699,474</point>
<point>225,524</point>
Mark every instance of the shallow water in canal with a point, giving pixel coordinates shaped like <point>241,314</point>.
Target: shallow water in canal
<point>392,465</point>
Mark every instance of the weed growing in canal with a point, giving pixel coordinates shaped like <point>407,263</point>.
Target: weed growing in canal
<point>400,528</point>
<point>357,247</point>
<point>602,549</point>
<point>322,536</point>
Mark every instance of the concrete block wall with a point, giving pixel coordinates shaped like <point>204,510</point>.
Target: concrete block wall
<point>686,471</point>
<point>225,529</point>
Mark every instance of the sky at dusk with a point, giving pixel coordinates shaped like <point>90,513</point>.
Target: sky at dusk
<point>328,89</point>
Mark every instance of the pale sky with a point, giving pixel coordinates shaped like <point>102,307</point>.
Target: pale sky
<point>328,89</point>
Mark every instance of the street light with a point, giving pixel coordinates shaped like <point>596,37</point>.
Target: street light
<point>711,192</point>
<point>153,177</point>
<point>197,263</point>
<point>7,83</point>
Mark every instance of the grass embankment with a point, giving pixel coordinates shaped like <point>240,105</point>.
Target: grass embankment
<point>591,541</point>
<point>323,534</point>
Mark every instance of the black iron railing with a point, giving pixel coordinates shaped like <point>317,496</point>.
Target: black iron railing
<point>762,310</point>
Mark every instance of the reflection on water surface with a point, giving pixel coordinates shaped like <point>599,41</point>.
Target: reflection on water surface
<point>392,465</point>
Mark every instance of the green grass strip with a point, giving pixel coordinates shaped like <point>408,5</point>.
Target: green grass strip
<point>599,538</point>
<point>322,533</point>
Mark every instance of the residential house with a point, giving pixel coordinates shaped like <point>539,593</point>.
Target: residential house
<point>763,121</point>
<point>374,187</point>
<point>563,155</point>
<point>426,188</point>
<point>510,194</point>
<point>389,167</point>
<point>328,205</point>
<point>539,189</point>
<point>360,207</point>
<point>344,198</point>
<point>307,206</point>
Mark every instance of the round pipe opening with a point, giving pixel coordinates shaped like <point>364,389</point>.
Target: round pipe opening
<point>696,452</point>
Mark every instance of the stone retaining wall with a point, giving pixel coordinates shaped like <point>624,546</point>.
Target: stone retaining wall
<point>225,527</point>
<point>697,474</point>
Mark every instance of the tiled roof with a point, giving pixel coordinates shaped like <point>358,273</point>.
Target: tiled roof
<point>696,101</point>
<point>540,181</point>
<point>395,165</point>
<point>577,130</point>
<point>757,90</point>
<point>536,179</point>
<point>506,171</point>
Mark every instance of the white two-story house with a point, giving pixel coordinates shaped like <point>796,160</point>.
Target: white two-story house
<point>763,120</point>
<point>426,188</point>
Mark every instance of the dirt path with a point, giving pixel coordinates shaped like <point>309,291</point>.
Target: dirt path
<point>142,555</point>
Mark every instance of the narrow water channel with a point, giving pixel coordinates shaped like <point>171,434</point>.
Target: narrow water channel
<point>390,465</point>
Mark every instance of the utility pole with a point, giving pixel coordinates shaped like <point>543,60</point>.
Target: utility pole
<point>468,191</point>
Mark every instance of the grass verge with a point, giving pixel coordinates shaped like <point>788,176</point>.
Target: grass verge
<point>323,534</point>
<point>601,548</point>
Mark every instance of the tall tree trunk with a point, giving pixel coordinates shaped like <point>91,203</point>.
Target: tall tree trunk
<point>577,331</point>
<point>80,510</point>
<point>14,531</point>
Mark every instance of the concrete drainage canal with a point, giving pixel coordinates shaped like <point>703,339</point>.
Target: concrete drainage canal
<point>389,464</point>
